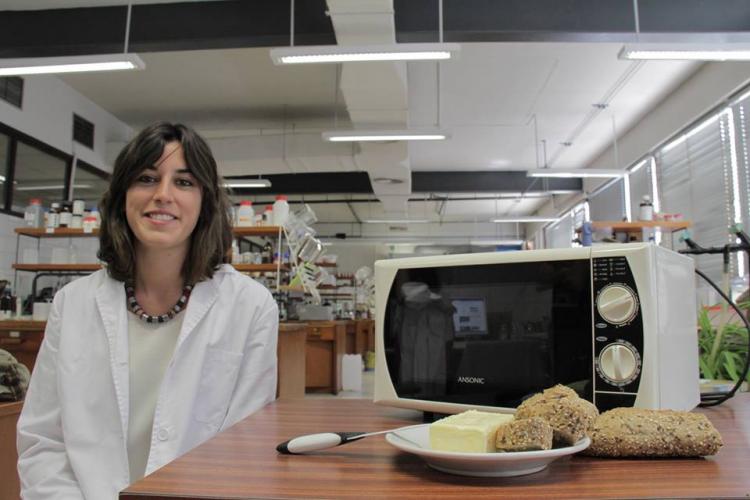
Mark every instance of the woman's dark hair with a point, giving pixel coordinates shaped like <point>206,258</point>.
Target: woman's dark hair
<point>212,237</point>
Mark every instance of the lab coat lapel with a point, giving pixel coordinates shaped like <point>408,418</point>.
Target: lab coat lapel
<point>110,300</point>
<point>202,297</point>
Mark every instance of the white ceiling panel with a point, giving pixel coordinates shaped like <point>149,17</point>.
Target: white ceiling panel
<point>218,85</point>
<point>502,100</point>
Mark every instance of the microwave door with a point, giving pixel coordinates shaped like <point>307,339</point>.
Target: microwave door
<point>489,335</point>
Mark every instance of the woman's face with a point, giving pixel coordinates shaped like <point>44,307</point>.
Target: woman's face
<point>163,203</point>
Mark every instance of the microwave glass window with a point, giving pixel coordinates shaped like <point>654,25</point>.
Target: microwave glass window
<point>490,334</point>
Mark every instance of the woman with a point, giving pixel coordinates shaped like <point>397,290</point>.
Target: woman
<point>157,352</point>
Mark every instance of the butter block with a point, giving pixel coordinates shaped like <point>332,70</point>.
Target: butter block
<point>468,432</point>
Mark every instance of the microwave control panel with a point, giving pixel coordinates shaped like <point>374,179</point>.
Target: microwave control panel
<point>618,333</point>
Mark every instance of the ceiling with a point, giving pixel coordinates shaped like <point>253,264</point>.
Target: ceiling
<point>509,105</point>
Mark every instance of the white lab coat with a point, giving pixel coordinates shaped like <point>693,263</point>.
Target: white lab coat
<point>72,432</point>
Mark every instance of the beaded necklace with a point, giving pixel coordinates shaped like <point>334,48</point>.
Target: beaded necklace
<point>135,307</point>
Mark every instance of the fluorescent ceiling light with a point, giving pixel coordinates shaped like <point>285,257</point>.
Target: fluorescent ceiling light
<point>576,172</point>
<point>364,53</point>
<point>484,243</point>
<point>387,180</point>
<point>525,218</point>
<point>70,64</point>
<point>250,183</point>
<point>397,221</point>
<point>687,51</point>
<point>52,187</point>
<point>384,135</point>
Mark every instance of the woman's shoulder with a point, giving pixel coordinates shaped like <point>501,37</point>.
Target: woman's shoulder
<point>87,284</point>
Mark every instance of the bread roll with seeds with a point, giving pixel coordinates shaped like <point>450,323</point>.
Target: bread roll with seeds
<point>635,432</point>
<point>524,435</point>
<point>570,416</point>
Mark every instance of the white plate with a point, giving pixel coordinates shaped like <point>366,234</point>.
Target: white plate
<point>416,440</point>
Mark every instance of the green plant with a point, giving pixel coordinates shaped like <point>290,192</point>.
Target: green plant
<point>722,352</point>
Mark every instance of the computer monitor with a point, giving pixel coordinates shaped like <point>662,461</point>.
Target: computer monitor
<point>469,318</point>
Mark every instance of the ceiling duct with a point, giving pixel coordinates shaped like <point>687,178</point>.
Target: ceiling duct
<point>376,96</point>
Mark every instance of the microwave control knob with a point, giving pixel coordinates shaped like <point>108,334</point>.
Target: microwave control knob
<point>617,304</point>
<point>619,363</point>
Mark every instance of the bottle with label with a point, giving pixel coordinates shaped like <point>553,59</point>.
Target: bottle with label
<point>646,213</point>
<point>79,207</point>
<point>97,217</point>
<point>66,214</point>
<point>6,306</point>
<point>280,210</point>
<point>89,224</point>
<point>268,216</point>
<point>53,216</point>
<point>236,257</point>
<point>646,209</point>
<point>245,214</point>
<point>34,214</point>
<point>283,314</point>
<point>268,253</point>
<point>76,221</point>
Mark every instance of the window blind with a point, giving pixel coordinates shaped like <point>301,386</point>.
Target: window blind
<point>609,203</point>
<point>694,177</point>
<point>560,234</point>
<point>742,130</point>
<point>640,185</point>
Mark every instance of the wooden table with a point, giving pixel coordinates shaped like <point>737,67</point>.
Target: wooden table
<point>365,335</point>
<point>10,486</point>
<point>242,463</point>
<point>326,346</point>
<point>291,351</point>
<point>22,338</point>
<point>291,356</point>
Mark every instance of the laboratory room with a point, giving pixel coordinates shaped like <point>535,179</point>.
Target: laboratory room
<point>384,248</point>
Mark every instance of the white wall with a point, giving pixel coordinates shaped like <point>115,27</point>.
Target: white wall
<point>47,115</point>
<point>353,256</point>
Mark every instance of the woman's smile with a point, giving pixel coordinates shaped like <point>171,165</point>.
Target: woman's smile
<point>160,218</point>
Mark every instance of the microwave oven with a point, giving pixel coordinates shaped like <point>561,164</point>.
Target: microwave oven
<point>616,323</point>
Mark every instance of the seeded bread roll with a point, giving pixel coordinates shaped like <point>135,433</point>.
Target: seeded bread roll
<point>524,435</point>
<point>633,432</point>
<point>570,416</point>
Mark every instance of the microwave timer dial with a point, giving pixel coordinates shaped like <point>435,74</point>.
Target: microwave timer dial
<point>619,363</point>
<point>617,304</point>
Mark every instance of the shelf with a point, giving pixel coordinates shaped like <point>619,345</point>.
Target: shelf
<point>259,268</point>
<point>58,232</point>
<point>57,267</point>
<point>22,325</point>
<point>244,268</point>
<point>256,231</point>
<point>636,227</point>
<point>323,290</point>
<point>326,264</point>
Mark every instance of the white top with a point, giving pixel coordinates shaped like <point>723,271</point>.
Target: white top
<point>150,347</point>
<point>73,429</point>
